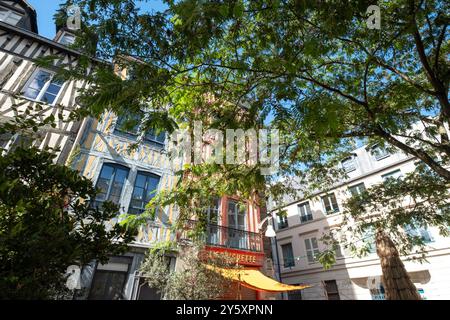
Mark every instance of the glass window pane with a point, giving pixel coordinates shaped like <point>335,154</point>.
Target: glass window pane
<point>138,193</point>
<point>31,93</point>
<point>241,222</point>
<point>107,172</point>
<point>314,243</point>
<point>54,88</point>
<point>300,210</point>
<point>103,184</point>
<point>349,164</point>
<point>128,124</point>
<point>136,203</point>
<point>48,98</point>
<point>152,186</point>
<point>144,189</point>
<point>40,79</point>
<point>288,255</point>
<point>111,190</point>
<point>121,175</point>
<point>140,181</point>
<point>334,202</point>
<point>307,244</point>
<point>310,256</point>
<point>37,83</point>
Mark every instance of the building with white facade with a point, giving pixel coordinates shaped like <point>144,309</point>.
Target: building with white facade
<point>299,234</point>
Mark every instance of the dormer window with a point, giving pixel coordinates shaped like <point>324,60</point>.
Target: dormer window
<point>378,152</point>
<point>9,16</point>
<point>67,39</point>
<point>348,164</point>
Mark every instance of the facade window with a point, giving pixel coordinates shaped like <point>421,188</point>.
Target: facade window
<point>349,164</point>
<point>109,279</point>
<point>282,222</point>
<point>369,239</point>
<point>67,39</point>
<point>146,292</point>
<point>304,210</point>
<point>9,16</point>
<point>212,211</point>
<point>357,189</point>
<point>332,290</point>
<point>144,190</point>
<point>295,295</point>
<point>421,232</point>
<point>378,152</point>
<point>110,182</point>
<point>5,139</point>
<point>396,174</point>
<point>9,142</point>
<point>236,214</point>
<point>288,255</point>
<point>212,214</point>
<point>312,249</point>
<point>378,294</point>
<point>330,203</point>
<point>130,125</point>
<point>337,250</point>
<point>42,87</point>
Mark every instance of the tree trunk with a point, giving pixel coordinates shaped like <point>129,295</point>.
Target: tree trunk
<point>397,283</point>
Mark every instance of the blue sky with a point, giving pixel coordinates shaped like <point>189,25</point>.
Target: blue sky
<point>45,10</point>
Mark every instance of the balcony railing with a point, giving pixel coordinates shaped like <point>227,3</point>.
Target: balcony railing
<point>306,218</point>
<point>225,237</point>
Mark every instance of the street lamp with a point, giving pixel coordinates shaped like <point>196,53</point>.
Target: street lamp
<point>270,232</point>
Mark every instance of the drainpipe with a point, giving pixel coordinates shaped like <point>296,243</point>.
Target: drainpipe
<point>277,256</point>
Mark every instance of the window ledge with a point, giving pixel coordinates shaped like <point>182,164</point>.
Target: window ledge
<point>37,101</point>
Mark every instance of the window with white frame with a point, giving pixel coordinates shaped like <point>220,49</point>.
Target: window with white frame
<point>357,189</point>
<point>304,210</point>
<point>9,16</point>
<point>312,249</point>
<point>67,39</point>
<point>349,164</point>
<point>379,152</point>
<point>212,215</point>
<point>212,210</point>
<point>330,203</point>
<point>42,87</point>
<point>396,174</point>
<point>145,188</point>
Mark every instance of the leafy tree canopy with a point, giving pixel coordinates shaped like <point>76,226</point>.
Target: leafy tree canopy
<point>46,222</point>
